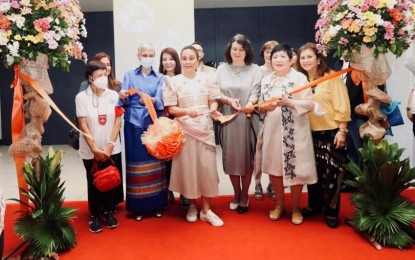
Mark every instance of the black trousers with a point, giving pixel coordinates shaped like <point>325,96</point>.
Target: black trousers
<point>413,124</point>
<point>100,201</point>
<point>325,194</point>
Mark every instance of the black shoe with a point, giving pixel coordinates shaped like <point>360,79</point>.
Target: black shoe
<point>307,212</point>
<point>271,192</point>
<point>184,202</point>
<point>170,198</point>
<point>242,209</point>
<point>332,222</point>
<point>95,225</point>
<point>110,220</point>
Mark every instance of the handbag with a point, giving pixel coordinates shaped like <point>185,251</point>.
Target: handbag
<point>393,113</point>
<point>73,136</point>
<point>107,178</point>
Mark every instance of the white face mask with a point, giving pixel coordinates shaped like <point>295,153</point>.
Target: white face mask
<point>101,82</point>
<point>147,62</point>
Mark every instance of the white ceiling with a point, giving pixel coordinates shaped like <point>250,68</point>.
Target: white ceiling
<point>106,5</point>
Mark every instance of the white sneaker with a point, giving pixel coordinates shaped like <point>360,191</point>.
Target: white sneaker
<point>191,215</point>
<point>212,218</point>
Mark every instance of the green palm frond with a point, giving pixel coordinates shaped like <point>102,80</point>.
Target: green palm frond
<point>47,224</point>
<point>380,208</point>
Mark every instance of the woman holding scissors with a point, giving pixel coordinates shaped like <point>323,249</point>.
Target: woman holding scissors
<point>285,147</point>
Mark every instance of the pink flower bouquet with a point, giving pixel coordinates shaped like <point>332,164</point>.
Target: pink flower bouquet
<point>346,25</point>
<point>30,27</point>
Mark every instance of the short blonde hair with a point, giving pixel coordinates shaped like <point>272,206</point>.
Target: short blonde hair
<point>146,45</point>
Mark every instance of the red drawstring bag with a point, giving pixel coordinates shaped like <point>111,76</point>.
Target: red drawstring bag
<point>107,178</point>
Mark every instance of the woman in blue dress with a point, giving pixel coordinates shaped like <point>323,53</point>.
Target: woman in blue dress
<point>146,179</point>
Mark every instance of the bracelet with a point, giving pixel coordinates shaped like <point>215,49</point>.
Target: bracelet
<point>111,142</point>
<point>408,109</point>
<point>343,130</point>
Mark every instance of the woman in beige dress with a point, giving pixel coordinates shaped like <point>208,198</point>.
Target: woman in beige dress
<point>191,99</point>
<point>285,147</point>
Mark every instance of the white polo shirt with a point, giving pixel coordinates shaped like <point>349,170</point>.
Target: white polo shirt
<point>100,115</point>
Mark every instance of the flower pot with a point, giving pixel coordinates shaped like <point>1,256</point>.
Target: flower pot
<point>38,70</point>
<point>371,69</point>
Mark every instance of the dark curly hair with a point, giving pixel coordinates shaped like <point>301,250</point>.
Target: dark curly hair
<point>246,45</point>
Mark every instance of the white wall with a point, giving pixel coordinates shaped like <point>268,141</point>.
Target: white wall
<point>398,86</point>
<point>164,23</point>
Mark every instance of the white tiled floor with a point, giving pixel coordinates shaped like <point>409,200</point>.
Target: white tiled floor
<point>73,173</point>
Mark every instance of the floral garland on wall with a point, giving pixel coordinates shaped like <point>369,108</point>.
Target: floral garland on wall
<point>52,27</point>
<point>387,25</point>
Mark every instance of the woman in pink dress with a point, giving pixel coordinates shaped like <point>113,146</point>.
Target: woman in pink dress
<point>191,99</point>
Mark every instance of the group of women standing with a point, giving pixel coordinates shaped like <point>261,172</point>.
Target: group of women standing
<point>285,137</point>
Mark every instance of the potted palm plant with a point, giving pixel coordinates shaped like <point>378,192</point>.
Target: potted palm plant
<point>381,210</point>
<point>47,224</point>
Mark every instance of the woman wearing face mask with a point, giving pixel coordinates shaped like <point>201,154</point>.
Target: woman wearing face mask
<point>191,99</point>
<point>146,178</point>
<point>100,118</point>
<point>113,84</point>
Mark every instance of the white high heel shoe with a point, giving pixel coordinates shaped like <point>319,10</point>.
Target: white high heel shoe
<point>233,206</point>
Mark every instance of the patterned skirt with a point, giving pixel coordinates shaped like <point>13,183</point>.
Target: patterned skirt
<point>330,165</point>
<point>146,178</point>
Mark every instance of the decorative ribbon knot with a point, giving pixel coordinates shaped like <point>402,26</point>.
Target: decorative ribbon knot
<point>356,80</point>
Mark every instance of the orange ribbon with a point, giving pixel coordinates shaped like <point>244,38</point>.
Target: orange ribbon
<point>18,123</point>
<point>309,85</point>
<point>36,86</point>
<point>147,102</point>
<point>356,80</point>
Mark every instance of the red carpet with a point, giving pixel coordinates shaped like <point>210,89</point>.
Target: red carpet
<point>248,236</point>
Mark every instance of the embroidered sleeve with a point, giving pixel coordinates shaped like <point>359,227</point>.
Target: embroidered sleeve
<point>214,89</point>
<point>169,93</point>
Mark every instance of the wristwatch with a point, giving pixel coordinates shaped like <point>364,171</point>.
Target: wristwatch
<point>408,109</point>
<point>111,142</point>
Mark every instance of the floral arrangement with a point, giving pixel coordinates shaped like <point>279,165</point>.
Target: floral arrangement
<point>386,25</point>
<point>52,27</point>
